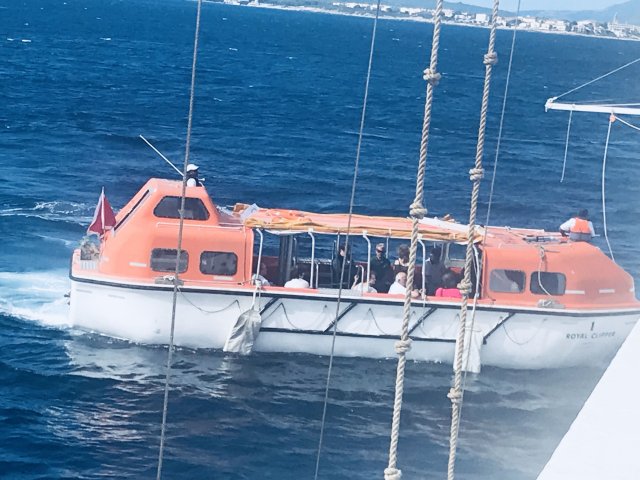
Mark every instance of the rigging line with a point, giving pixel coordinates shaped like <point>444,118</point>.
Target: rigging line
<point>605,103</point>
<point>347,236</point>
<point>476,174</point>
<point>627,123</point>
<point>504,106</point>
<point>566,146</point>
<point>612,119</point>
<point>599,78</point>
<point>466,371</point>
<point>473,321</point>
<point>417,211</point>
<point>179,246</point>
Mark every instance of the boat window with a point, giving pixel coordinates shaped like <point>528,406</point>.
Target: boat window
<point>457,252</point>
<point>169,207</point>
<point>218,263</point>
<point>506,281</point>
<point>548,283</point>
<point>164,260</point>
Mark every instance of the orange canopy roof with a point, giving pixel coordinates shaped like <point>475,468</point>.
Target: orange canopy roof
<point>296,221</point>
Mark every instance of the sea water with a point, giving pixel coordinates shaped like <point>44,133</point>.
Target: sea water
<point>277,109</point>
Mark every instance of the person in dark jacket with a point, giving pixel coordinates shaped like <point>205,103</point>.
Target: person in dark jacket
<point>342,256</point>
<point>381,266</point>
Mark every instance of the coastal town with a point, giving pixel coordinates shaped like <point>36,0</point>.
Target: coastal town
<point>611,29</point>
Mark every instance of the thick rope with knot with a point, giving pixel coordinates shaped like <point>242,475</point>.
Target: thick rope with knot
<point>490,58</point>
<point>403,346</point>
<point>476,174</point>
<point>456,394</point>
<point>417,209</point>
<point>392,474</point>
<point>432,77</point>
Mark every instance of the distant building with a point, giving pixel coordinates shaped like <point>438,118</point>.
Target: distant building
<point>411,11</point>
<point>555,25</point>
<point>622,30</point>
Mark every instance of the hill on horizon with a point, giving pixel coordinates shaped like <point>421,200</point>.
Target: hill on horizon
<point>626,12</point>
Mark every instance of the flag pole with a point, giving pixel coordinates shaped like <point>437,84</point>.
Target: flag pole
<point>103,226</point>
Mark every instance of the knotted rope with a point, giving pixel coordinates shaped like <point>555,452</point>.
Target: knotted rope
<point>456,393</point>
<point>417,212</point>
<point>176,279</point>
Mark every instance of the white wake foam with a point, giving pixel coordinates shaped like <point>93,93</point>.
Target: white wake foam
<point>57,211</point>
<point>36,296</point>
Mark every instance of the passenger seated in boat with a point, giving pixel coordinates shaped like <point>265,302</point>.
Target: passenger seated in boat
<point>365,287</point>
<point>261,276</point>
<point>434,270</point>
<point>342,256</point>
<point>297,279</point>
<point>449,286</point>
<point>400,286</point>
<point>578,228</point>
<point>401,264</point>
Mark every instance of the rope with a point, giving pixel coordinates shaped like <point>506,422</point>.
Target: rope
<point>566,147</point>
<point>612,119</point>
<point>599,78</point>
<point>208,312</point>
<point>179,247</point>
<point>541,258</point>
<point>455,395</point>
<point>347,237</point>
<point>417,211</point>
<point>504,106</point>
<point>627,123</point>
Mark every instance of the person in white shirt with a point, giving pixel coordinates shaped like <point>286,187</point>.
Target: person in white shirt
<point>297,279</point>
<point>192,176</point>
<point>578,228</point>
<point>399,287</point>
<point>365,287</point>
<point>261,276</point>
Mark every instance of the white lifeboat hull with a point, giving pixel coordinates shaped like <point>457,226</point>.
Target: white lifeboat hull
<point>507,337</point>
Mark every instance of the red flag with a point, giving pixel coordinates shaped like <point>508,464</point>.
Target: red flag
<point>103,219</point>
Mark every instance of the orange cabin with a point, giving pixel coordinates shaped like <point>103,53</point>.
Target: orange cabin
<point>572,274</point>
<point>517,266</point>
<point>144,241</point>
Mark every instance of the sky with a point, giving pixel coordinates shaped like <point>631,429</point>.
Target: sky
<point>548,4</point>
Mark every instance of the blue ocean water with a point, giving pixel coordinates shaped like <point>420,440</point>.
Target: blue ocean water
<point>277,110</point>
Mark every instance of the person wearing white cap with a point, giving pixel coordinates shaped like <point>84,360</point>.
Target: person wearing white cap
<point>192,176</point>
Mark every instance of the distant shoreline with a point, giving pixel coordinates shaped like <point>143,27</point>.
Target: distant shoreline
<point>328,11</point>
